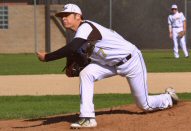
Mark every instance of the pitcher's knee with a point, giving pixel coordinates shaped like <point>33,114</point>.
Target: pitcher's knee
<point>86,74</point>
<point>145,107</point>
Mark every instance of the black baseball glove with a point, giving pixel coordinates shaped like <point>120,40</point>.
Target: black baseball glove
<point>76,62</point>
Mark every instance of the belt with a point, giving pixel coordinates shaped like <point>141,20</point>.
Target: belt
<point>177,27</point>
<point>124,60</point>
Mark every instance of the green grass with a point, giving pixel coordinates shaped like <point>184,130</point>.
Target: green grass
<point>21,64</point>
<point>164,61</point>
<point>156,61</point>
<point>14,107</point>
<point>19,107</point>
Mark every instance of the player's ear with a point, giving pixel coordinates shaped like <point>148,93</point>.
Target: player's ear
<point>78,16</point>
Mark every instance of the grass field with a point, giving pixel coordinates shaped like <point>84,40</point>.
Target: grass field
<point>21,64</point>
<point>156,61</point>
<point>164,61</point>
<point>14,107</point>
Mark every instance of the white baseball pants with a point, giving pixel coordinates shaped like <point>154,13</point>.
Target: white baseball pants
<point>135,72</point>
<point>177,41</point>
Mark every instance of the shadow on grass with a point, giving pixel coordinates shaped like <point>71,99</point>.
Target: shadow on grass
<point>72,118</point>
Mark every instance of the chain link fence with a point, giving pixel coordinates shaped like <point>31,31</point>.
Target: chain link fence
<point>188,17</point>
<point>142,23</point>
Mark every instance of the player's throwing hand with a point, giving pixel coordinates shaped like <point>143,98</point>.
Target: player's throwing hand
<point>41,56</point>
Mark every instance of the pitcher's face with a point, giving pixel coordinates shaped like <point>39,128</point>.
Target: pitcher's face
<point>71,20</point>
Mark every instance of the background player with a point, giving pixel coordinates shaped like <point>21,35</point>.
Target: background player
<point>110,55</point>
<point>177,24</point>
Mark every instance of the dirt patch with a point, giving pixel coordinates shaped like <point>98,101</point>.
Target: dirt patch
<point>62,85</point>
<point>122,118</point>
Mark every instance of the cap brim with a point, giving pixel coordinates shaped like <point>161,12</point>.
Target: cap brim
<point>174,7</point>
<point>61,14</point>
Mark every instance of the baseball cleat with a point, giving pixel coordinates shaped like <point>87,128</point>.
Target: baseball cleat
<point>173,95</point>
<point>84,123</point>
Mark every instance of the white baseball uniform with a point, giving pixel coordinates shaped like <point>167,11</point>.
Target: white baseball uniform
<point>113,55</point>
<point>176,21</point>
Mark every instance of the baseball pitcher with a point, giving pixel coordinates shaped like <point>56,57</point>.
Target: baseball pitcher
<point>110,55</point>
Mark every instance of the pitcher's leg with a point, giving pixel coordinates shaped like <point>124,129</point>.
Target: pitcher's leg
<point>183,46</point>
<point>139,89</point>
<point>88,76</point>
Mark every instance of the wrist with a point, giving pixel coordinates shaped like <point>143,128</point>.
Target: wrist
<point>45,58</point>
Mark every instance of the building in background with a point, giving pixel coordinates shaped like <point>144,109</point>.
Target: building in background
<point>17,32</point>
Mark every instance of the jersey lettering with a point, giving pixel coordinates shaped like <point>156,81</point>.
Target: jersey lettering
<point>101,53</point>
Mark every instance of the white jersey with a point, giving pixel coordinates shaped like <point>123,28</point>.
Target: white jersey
<point>176,20</point>
<point>110,49</point>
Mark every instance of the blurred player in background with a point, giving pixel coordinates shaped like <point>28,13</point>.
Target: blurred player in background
<point>177,30</point>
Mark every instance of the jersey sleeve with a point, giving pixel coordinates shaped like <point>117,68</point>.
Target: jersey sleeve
<point>182,17</point>
<point>66,51</point>
<point>83,31</point>
<point>169,20</point>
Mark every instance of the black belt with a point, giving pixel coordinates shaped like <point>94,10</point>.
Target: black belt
<point>177,27</point>
<point>124,60</point>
